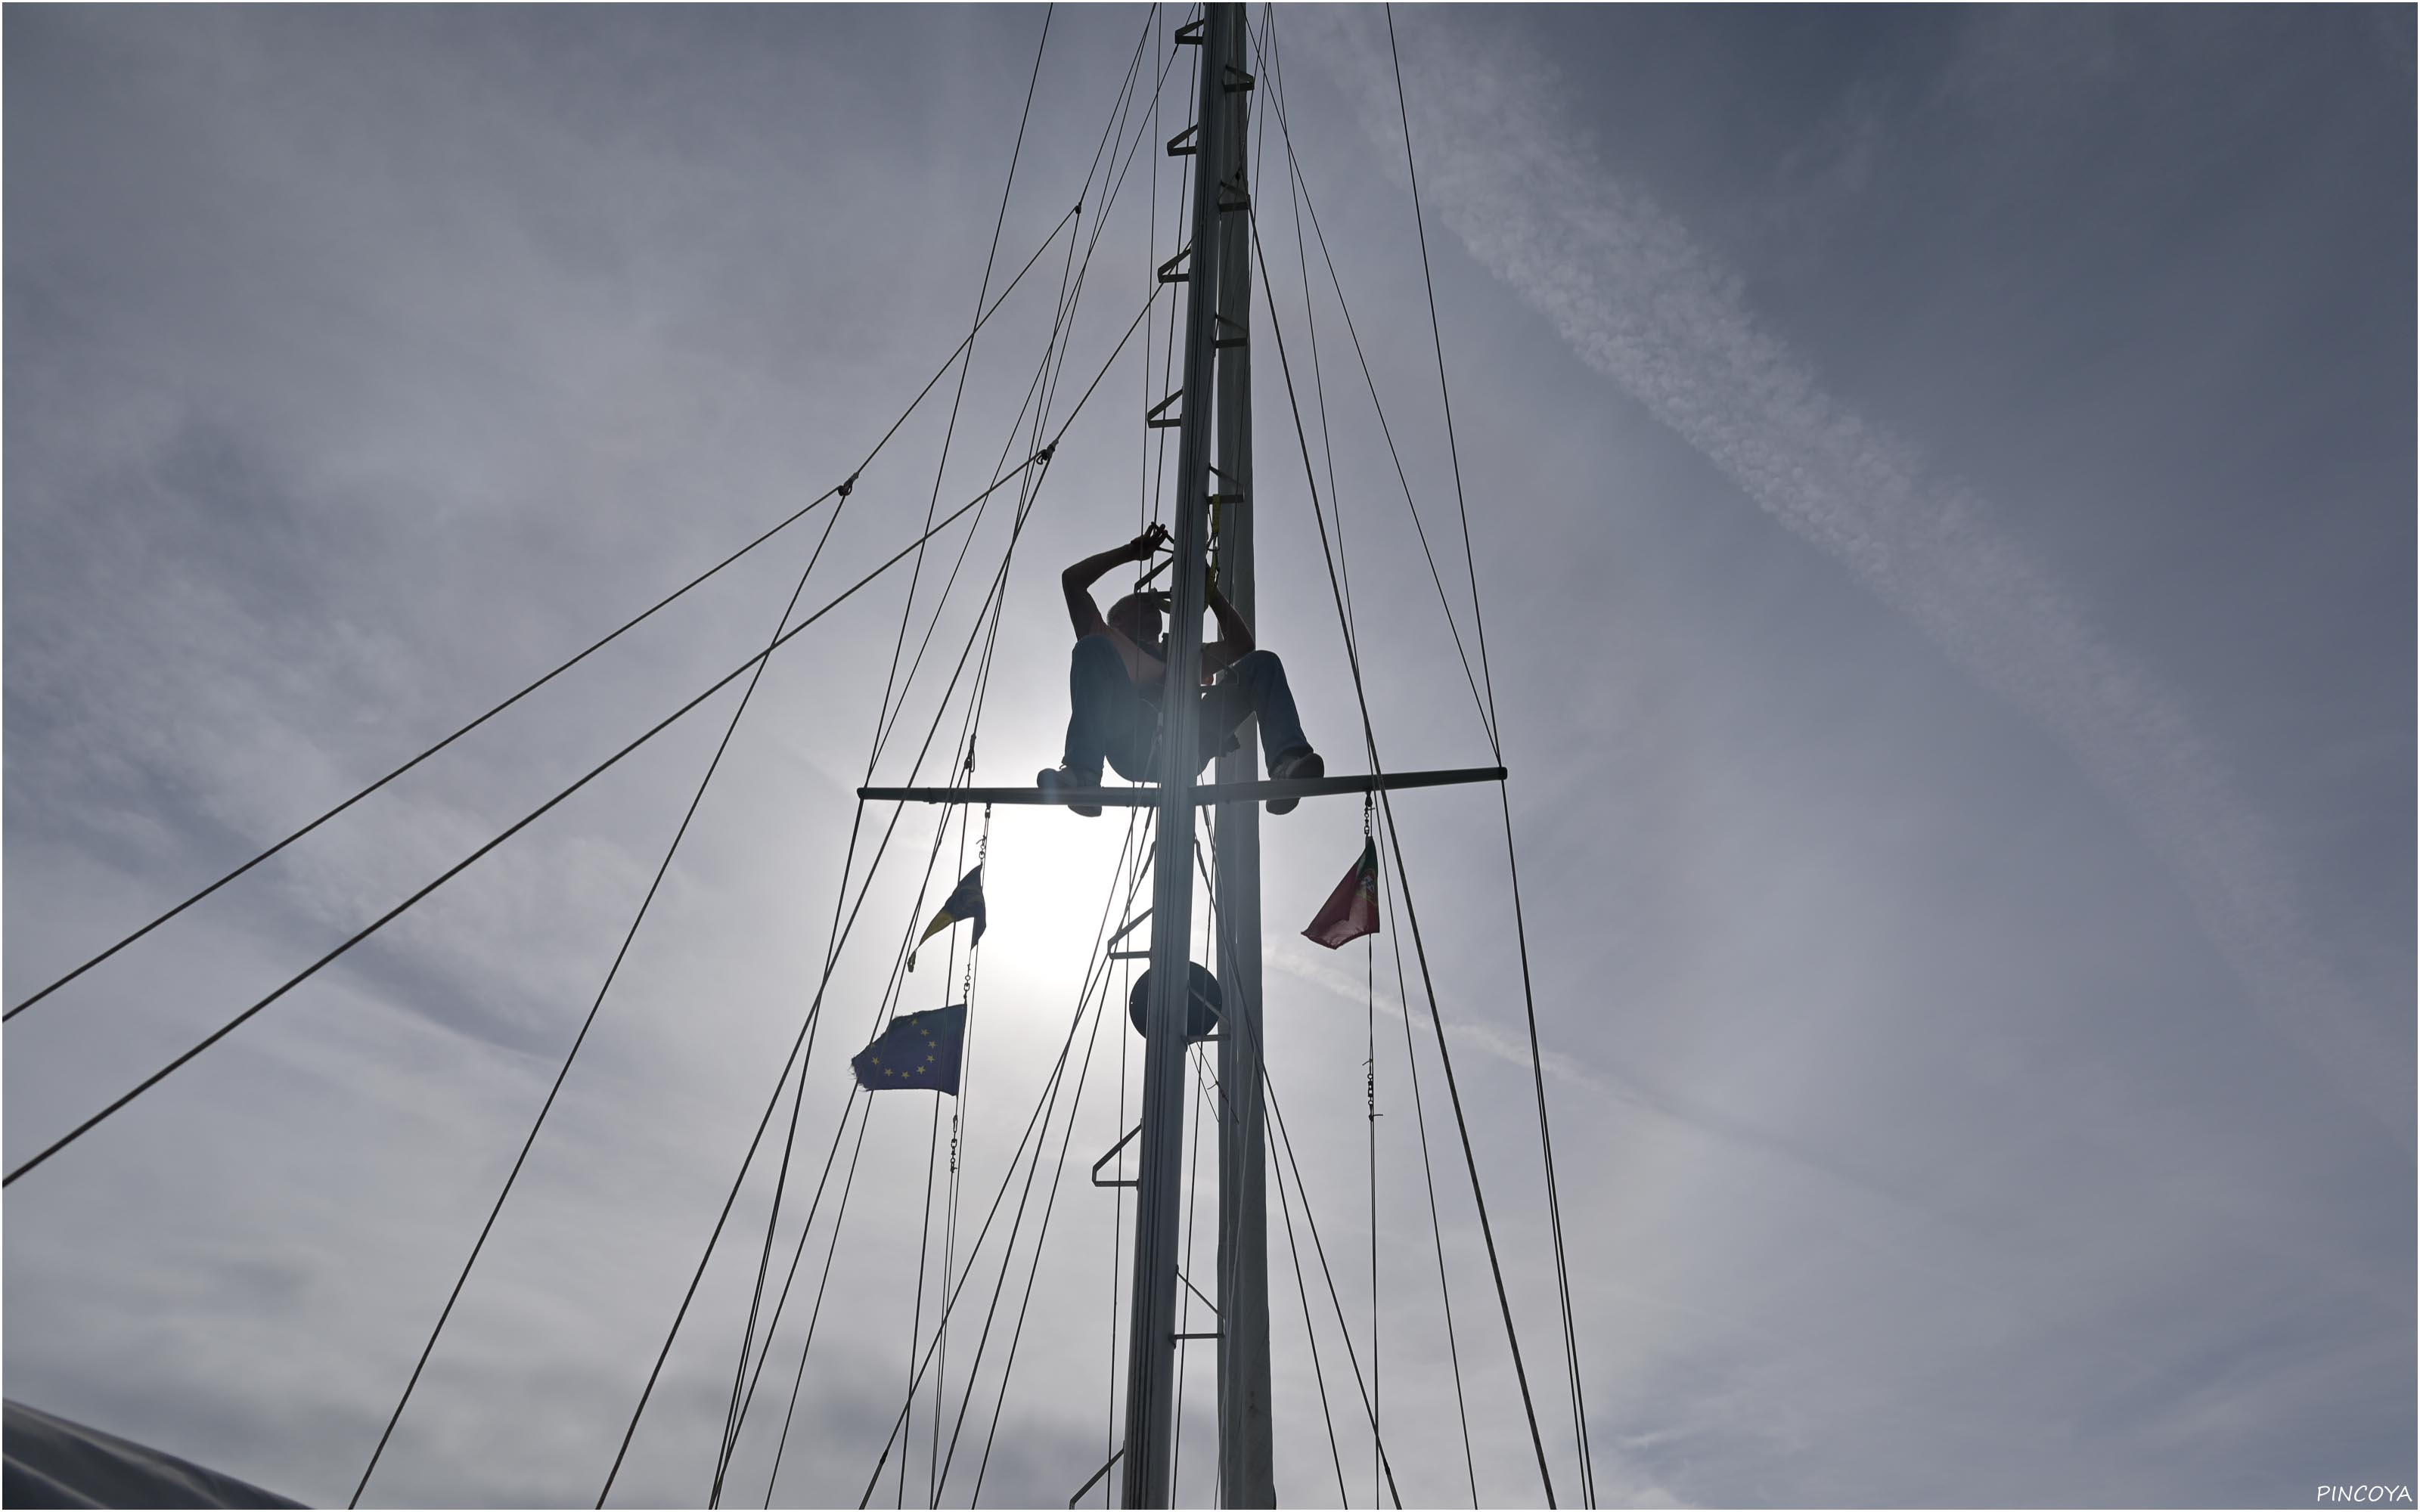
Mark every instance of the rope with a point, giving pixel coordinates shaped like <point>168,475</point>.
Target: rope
<point>1528,996</point>
<point>487,1228</point>
<point>627,626</point>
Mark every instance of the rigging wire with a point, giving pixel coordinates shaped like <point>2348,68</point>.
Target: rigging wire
<point>1370,1093</point>
<point>907,612</point>
<point>1129,856</point>
<point>1360,692</point>
<point>1070,300</point>
<point>1369,1403</point>
<point>374,925</point>
<point>1043,1107</point>
<point>983,680</point>
<point>1100,227</point>
<point>713,766</point>
<point>1437,1233</point>
<point>1041,1238</point>
<point>1285,1142</point>
<point>1344,574</point>
<point>950,432</point>
<point>1184,1317</point>
<point>814,1314</point>
<point>1002,1194</point>
<point>1344,1498</point>
<point>923,1245</point>
<point>964,742</point>
<point>1109,133</point>
<point>611,636</point>
<point>814,1012</point>
<point>1370,379</point>
<point>791,1412</point>
<point>156,1077</point>
<point>1148,475</point>
<point>1529,995</point>
<point>804,1039</point>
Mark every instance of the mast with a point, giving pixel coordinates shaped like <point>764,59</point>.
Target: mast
<point>1151,1342</point>
<point>1246,1473</point>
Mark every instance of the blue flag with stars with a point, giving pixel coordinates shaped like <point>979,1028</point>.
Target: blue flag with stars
<point>919,1050</point>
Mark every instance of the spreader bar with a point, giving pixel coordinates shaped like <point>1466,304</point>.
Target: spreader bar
<point>1144,797</point>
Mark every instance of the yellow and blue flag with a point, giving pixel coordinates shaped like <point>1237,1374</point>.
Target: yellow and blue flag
<point>919,1050</point>
<point>965,903</point>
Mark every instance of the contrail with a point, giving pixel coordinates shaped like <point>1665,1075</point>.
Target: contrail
<point>1506,167</point>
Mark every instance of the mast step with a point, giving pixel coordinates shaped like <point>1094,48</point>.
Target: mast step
<point>1170,273</point>
<point>1180,147</point>
<point>1157,416</point>
<point>1128,1139</point>
<point>1121,1453</point>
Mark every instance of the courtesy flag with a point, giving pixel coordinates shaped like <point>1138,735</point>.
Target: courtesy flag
<point>965,903</point>
<point>919,1050</point>
<point>1351,910</point>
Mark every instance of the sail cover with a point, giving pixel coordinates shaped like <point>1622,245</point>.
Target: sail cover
<point>50,1461</point>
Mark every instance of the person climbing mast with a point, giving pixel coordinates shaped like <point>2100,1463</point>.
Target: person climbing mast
<point>1116,678</point>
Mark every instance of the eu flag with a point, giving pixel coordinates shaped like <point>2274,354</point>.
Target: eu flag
<point>919,1050</point>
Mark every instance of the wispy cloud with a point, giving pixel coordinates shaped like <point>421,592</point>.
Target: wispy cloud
<point>1507,167</point>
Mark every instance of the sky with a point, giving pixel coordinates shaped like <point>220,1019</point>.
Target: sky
<point>1938,486</point>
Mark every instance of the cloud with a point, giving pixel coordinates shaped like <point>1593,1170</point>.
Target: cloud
<point>1507,167</point>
